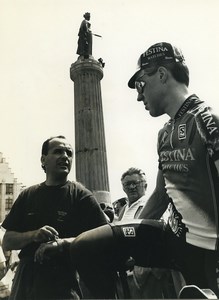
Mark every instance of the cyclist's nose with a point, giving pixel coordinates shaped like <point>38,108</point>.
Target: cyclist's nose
<point>140,97</point>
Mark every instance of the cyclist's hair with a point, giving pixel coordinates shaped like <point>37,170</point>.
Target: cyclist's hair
<point>179,71</point>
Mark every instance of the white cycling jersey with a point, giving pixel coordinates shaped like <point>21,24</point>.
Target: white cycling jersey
<point>188,146</point>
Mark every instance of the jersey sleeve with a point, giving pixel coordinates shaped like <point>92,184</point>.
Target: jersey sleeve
<point>208,128</point>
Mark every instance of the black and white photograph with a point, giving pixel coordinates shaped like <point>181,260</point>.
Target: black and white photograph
<point>109,156</point>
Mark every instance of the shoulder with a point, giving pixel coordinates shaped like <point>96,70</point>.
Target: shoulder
<point>29,190</point>
<point>143,200</point>
<point>78,186</point>
<point>207,120</point>
<point>207,124</point>
<point>79,191</point>
<point>26,196</point>
<point>84,23</point>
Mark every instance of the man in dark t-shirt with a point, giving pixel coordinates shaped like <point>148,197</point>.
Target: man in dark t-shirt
<point>42,221</point>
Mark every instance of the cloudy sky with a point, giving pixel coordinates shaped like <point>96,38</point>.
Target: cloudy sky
<point>38,41</point>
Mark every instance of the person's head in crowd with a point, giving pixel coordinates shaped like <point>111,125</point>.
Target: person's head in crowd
<point>118,205</point>
<point>108,210</point>
<point>56,158</point>
<point>134,184</point>
<point>162,74</point>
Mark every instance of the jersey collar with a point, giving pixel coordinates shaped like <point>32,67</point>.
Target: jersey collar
<point>187,104</point>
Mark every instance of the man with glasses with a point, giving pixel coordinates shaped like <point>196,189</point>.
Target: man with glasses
<point>187,185</point>
<point>144,283</point>
<point>134,185</point>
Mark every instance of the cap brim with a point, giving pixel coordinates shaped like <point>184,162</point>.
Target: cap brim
<point>132,80</point>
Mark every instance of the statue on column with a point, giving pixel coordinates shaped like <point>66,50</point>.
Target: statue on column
<point>85,37</point>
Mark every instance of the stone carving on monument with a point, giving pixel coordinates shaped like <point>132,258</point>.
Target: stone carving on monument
<point>85,37</point>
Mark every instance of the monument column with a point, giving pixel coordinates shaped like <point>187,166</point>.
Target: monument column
<point>90,147</point>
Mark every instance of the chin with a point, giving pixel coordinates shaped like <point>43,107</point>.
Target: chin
<point>155,114</point>
<point>63,174</point>
<point>133,199</point>
<point>152,114</point>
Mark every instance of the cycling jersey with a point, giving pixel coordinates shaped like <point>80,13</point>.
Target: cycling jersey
<point>188,145</point>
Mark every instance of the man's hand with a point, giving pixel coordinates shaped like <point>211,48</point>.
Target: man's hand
<point>45,234</point>
<point>46,250</point>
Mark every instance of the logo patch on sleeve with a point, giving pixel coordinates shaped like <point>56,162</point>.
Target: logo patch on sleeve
<point>182,131</point>
<point>129,231</point>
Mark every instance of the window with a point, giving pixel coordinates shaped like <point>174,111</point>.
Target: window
<point>9,188</point>
<point>8,203</point>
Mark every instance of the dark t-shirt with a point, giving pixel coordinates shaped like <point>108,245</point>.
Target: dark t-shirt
<point>70,208</point>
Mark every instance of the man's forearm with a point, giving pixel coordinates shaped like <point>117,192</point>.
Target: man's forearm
<point>155,207</point>
<point>158,201</point>
<point>13,240</point>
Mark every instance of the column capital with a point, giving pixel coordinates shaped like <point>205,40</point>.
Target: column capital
<point>82,66</point>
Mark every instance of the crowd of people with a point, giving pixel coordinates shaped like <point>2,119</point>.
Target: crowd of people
<point>65,237</point>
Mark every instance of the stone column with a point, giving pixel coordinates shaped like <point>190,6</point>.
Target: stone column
<point>90,147</point>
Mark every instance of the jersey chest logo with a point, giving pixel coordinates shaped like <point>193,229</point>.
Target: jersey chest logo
<point>61,215</point>
<point>182,131</point>
<point>129,231</point>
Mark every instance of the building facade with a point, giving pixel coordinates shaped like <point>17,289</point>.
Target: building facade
<point>9,188</point>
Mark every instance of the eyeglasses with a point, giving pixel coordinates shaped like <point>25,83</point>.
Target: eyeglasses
<point>133,183</point>
<point>139,85</point>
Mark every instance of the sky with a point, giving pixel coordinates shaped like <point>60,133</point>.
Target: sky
<point>38,41</point>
